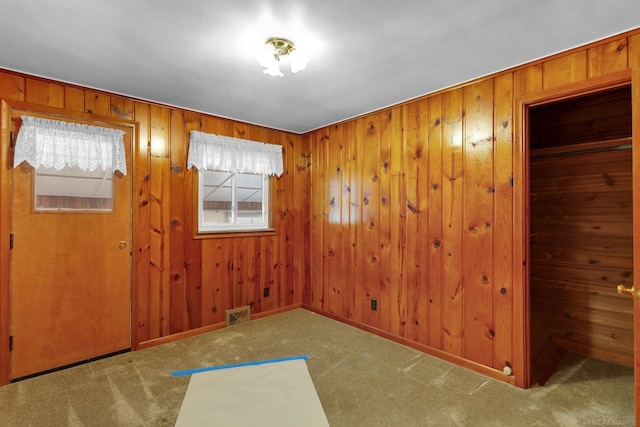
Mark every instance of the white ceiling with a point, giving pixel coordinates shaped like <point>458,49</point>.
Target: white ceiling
<point>368,54</point>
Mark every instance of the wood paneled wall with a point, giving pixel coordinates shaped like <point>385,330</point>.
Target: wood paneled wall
<point>182,283</point>
<point>413,206</point>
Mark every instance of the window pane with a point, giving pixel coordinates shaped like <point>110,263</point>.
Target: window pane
<point>73,189</point>
<point>232,201</point>
<point>217,197</point>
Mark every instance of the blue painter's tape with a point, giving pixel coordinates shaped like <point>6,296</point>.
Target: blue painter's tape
<point>236,365</point>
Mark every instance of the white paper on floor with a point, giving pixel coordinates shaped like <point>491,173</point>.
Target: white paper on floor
<point>271,394</point>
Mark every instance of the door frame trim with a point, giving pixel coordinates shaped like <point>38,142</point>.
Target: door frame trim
<point>521,316</point>
<point>6,166</point>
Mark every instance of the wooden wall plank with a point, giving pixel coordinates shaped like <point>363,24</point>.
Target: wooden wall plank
<point>193,247</point>
<point>217,277</point>
<point>370,220</point>
<point>141,254</point>
<point>44,93</point>
<point>348,197</point>
<point>97,102</point>
<point>397,216</point>
<point>608,58</point>
<point>527,80</point>
<point>565,69</point>
<point>160,202</point>
<point>453,185</point>
<point>335,276</point>
<point>413,152</point>
<point>355,218</point>
<point>503,222</point>
<point>121,107</point>
<point>317,217</point>
<point>277,262</point>
<point>434,236</point>
<point>74,99</point>
<point>417,213</point>
<point>301,214</point>
<point>478,220</point>
<point>12,86</point>
<point>423,225</point>
<point>179,315</point>
<point>387,135</point>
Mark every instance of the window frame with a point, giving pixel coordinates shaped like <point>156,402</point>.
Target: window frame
<point>229,230</point>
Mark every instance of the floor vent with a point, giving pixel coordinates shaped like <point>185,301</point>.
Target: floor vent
<point>238,315</point>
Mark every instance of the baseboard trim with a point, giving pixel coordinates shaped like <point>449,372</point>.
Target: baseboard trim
<point>215,326</point>
<point>440,354</point>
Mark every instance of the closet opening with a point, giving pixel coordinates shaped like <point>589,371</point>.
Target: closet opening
<point>580,230</point>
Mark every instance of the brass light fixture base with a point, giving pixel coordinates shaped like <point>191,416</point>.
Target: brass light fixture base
<point>281,46</point>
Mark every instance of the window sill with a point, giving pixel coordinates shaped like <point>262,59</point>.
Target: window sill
<point>236,233</point>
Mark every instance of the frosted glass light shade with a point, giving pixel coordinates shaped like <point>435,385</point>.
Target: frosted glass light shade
<point>299,61</point>
<point>272,56</point>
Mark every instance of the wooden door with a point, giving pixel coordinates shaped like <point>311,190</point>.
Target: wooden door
<point>71,281</point>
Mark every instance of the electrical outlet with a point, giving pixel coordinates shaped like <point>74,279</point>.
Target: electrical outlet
<point>374,305</point>
<point>266,292</point>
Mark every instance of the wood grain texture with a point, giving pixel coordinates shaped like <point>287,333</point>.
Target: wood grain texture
<point>74,99</point>
<point>565,69</point>
<point>581,249</point>
<point>179,309</point>
<point>435,224</point>
<point>452,211</point>
<point>503,222</point>
<point>141,293</point>
<point>478,223</point>
<point>608,57</point>
<point>44,93</point>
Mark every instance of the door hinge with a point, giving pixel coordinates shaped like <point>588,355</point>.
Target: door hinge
<point>10,241</point>
<point>12,143</point>
<point>10,342</point>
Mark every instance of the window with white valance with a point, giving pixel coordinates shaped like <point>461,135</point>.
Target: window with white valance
<point>208,151</point>
<point>59,144</point>
<point>233,184</point>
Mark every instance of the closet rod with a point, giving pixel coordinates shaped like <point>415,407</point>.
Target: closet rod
<point>588,151</point>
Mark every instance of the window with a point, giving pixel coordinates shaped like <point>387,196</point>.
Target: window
<point>233,181</point>
<point>71,189</point>
<point>232,201</point>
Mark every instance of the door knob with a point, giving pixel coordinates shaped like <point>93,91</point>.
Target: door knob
<point>122,245</point>
<point>622,289</point>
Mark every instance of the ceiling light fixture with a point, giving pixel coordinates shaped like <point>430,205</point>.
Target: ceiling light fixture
<point>275,49</point>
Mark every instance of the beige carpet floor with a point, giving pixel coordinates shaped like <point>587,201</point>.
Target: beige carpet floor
<point>361,380</point>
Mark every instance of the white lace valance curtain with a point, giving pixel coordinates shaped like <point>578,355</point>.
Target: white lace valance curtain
<point>208,151</point>
<point>54,143</point>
